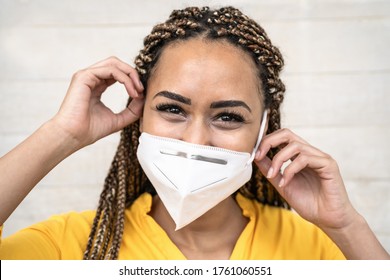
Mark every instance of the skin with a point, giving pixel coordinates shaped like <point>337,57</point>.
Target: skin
<point>186,100</point>
<point>205,74</point>
<point>311,183</point>
<point>81,120</point>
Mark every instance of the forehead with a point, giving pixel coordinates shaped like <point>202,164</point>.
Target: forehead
<point>202,64</point>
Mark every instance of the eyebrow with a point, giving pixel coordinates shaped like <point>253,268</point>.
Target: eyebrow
<point>214,105</point>
<point>229,103</point>
<point>174,96</point>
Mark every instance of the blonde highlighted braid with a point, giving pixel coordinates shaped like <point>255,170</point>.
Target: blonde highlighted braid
<point>126,180</point>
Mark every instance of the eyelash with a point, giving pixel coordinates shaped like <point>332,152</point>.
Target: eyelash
<point>167,107</point>
<point>235,117</point>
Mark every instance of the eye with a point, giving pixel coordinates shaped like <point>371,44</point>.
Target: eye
<point>171,112</point>
<point>230,117</point>
<point>170,108</point>
<point>229,120</point>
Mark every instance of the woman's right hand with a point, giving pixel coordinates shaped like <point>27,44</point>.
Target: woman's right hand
<point>83,116</point>
<point>81,120</point>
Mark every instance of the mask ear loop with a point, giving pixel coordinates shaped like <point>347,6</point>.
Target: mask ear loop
<point>261,134</point>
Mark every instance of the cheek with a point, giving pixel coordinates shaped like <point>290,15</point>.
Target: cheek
<point>242,140</point>
<point>154,124</point>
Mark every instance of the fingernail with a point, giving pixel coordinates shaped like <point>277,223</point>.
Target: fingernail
<point>281,183</point>
<point>270,172</point>
<point>141,85</point>
<point>257,155</point>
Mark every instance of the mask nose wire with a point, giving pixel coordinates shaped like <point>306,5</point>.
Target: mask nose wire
<point>260,136</point>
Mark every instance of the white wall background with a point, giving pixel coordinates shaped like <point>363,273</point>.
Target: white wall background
<point>337,75</point>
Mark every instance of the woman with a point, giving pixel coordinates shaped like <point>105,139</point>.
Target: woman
<point>205,86</point>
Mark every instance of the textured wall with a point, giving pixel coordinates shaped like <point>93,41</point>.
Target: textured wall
<point>337,75</point>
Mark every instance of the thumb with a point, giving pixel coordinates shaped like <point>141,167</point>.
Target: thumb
<point>131,113</point>
<point>264,166</point>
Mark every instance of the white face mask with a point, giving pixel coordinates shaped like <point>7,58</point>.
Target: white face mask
<point>191,179</point>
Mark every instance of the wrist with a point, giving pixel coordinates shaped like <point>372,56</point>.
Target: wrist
<point>356,240</point>
<point>353,223</point>
<point>59,139</point>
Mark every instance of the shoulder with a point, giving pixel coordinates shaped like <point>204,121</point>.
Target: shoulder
<point>274,218</point>
<point>292,236</point>
<point>267,214</point>
<point>59,237</point>
<point>68,222</point>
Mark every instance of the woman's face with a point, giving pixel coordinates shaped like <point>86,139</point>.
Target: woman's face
<point>204,92</point>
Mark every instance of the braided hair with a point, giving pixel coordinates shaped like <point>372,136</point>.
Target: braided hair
<point>126,180</point>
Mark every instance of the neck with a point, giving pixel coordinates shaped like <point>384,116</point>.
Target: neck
<point>211,236</point>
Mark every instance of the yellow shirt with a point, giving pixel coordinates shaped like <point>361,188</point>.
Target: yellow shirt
<point>271,233</point>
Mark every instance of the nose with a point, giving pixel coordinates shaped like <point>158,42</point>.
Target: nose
<point>197,133</point>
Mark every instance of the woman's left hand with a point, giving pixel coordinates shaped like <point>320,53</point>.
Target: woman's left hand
<point>311,182</point>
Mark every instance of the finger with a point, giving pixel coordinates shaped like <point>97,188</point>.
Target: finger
<point>103,85</point>
<point>104,76</point>
<point>276,139</point>
<point>130,114</point>
<point>289,153</point>
<point>136,80</point>
<point>126,68</point>
<point>318,164</point>
<point>136,106</point>
<point>264,166</point>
